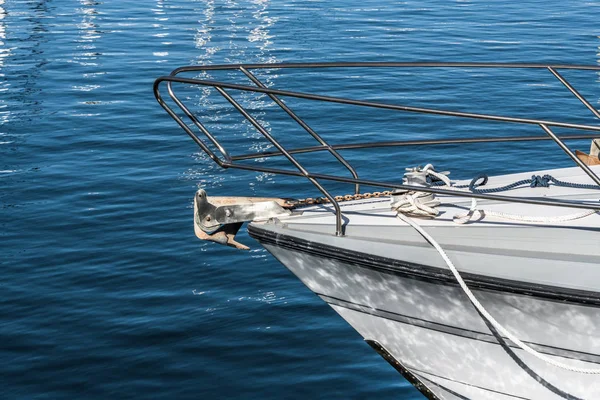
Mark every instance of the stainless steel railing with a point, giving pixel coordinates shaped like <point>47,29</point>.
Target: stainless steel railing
<point>225,160</point>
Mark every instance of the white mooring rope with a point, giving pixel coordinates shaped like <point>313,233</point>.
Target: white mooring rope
<point>410,202</point>
<point>464,218</point>
<point>429,170</point>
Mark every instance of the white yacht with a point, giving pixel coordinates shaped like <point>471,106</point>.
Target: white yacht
<point>484,288</point>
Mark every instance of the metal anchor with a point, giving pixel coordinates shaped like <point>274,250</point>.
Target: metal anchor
<point>218,219</point>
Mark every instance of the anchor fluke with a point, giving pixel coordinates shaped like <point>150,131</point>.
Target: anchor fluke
<point>218,219</point>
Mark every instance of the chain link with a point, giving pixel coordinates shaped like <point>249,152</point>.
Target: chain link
<point>347,197</point>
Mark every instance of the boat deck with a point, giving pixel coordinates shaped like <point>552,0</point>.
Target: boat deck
<point>377,211</point>
<point>559,254</point>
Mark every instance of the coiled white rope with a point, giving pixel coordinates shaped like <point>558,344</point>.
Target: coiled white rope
<point>418,204</point>
<point>425,211</point>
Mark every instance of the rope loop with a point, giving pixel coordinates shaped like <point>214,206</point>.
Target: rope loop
<point>473,185</point>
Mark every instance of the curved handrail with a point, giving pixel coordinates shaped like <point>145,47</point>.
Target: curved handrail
<point>274,95</point>
<point>404,143</point>
<point>372,104</point>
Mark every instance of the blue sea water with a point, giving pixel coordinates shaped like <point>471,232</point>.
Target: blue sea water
<point>106,293</point>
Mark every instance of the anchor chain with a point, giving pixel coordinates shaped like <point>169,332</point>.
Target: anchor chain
<point>425,176</point>
<point>348,197</point>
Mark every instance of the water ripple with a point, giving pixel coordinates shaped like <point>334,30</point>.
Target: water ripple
<point>106,291</point>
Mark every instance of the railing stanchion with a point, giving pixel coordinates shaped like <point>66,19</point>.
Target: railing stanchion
<point>339,228</point>
<point>198,124</point>
<point>195,138</point>
<point>564,147</point>
<point>575,92</point>
<point>304,125</point>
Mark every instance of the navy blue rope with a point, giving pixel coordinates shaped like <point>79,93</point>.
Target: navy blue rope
<point>569,184</point>
<point>434,181</point>
<point>535,181</point>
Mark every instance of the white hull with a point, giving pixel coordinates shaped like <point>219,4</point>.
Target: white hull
<point>540,281</point>
<point>434,331</point>
<point>524,252</point>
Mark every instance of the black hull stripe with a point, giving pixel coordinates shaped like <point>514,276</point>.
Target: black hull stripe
<point>419,373</point>
<point>405,372</point>
<point>452,330</point>
<point>442,388</point>
<point>424,384</point>
<point>424,272</point>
